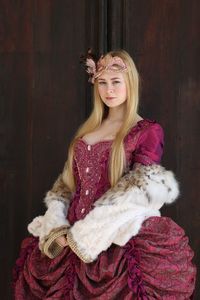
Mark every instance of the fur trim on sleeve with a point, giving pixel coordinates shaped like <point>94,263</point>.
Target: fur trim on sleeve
<point>158,185</point>
<point>54,217</point>
<point>59,192</point>
<point>57,201</point>
<point>50,197</point>
<point>119,213</point>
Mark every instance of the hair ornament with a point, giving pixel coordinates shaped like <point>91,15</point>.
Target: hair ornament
<point>110,63</point>
<point>90,62</point>
<point>105,63</point>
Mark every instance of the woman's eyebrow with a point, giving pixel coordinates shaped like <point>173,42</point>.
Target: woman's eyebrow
<point>111,78</point>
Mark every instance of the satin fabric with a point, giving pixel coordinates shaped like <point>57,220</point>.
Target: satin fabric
<point>156,264</point>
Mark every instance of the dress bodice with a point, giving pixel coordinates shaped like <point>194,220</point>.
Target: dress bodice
<point>143,144</point>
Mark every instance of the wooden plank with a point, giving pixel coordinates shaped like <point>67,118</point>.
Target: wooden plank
<point>163,39</point>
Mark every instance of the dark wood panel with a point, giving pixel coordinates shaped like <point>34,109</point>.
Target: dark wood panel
<point>42,85</point>
<point>163,38</point>
<point>15,78</point>
<point>189,126</point>
<point>16,26</point>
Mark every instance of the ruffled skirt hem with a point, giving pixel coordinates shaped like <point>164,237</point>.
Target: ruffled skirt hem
<point>156,264</point>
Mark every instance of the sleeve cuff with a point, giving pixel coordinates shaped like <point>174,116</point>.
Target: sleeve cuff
<point>74,247</point>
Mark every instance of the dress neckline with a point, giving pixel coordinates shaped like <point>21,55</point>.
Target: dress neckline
<point>111,140</point>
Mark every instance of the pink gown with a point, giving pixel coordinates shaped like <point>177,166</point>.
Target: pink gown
<point>155,264</point>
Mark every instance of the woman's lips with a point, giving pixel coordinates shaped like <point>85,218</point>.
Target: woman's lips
<point>110,98</point>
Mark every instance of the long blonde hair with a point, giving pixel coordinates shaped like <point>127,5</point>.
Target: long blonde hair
<point>99,113</point>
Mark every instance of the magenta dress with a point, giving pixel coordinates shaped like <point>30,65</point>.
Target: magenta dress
<point>155,264</point>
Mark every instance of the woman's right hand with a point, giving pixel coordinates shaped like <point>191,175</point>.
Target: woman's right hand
<point>62,241</point>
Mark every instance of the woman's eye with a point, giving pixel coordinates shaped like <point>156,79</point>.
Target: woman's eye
<point>103,83</point>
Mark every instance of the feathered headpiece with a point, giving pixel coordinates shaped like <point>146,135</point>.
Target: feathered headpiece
<point>95,68</point>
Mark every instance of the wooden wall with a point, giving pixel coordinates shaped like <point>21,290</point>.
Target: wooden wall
<point>44,97</point>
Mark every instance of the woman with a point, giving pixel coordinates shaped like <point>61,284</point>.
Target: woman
<point>102,236</point>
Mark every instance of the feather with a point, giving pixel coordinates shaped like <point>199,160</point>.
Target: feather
<point>91,66</point>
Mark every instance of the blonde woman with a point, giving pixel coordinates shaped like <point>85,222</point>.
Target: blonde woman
<point>102,235</point>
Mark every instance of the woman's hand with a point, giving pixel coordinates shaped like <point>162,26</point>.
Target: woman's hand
<point>62,241</point>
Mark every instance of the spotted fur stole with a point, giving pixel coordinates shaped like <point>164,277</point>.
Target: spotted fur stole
<point>119,213</point>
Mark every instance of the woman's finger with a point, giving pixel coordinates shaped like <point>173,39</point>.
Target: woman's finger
<point>62,241</point>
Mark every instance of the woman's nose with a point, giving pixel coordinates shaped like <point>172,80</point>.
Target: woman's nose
<point>110,88</point>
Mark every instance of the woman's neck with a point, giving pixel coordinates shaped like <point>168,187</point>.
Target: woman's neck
<point>116,114</point>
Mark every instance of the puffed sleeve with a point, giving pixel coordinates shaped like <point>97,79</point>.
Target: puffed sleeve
<point>149,148</point>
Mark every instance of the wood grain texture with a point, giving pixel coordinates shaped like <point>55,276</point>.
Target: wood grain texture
<point>163,38</point>
<point>45,96</point>
<point>42,101</point>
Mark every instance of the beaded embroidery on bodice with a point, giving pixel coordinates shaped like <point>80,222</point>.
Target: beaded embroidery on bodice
<point>90,167</point>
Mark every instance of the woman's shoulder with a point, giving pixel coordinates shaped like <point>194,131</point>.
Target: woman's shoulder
<point>146,125</point>
<point>148,134</point>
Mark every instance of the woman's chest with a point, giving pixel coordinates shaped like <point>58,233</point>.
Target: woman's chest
<point>103,133</point>
<point>92,160</point>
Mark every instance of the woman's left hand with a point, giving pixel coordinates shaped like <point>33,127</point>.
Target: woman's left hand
<point>62,241</point>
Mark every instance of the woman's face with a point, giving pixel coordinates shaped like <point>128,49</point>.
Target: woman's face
<point>112,88</point>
